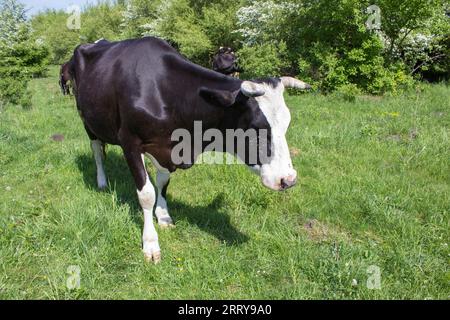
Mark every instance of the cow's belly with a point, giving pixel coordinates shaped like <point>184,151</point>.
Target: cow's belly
<point>101,125</point>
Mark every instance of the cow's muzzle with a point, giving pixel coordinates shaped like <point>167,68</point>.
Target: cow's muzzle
<point>287,184</point>
<point>280,184</point>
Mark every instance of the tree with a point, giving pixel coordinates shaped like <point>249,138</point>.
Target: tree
<point>400,18</point>
<point>21,56</point>
<point>195,29</point>
<point>136,15</point>
<point>50,27</point>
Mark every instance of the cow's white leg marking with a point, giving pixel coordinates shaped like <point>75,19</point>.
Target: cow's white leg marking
<point>162,211</point>
<point>147,199</point>
<point>97,149</point>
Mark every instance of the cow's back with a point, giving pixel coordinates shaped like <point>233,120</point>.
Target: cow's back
<point>115,80</point>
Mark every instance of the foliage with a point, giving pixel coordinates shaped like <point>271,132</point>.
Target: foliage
<point>427,50</point>
<point>177,23</point>
<point>196,30</point>
<point>219,22</point>
<point>326,43</point>
<point>348,92</point>
<point>259,22</point>
<point>137,15</point>
<point>102,20</point>
<point>264,60</point>
<point>335,48</point>
<point>329,44</point>
<point>21,56</point>
<point>401,18</point>
<point>50,27</point>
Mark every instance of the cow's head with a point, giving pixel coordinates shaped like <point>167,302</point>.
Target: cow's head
<point>260,105</point>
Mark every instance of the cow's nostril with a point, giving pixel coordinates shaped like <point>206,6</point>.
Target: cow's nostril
<point>286,184</point>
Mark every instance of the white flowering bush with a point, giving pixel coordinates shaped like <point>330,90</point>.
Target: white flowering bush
<point>261,22</point>
<point>13,24</point>
<point>136,15</point>
<point>427,49</point>
<point>260,25</point>
<point>158,27</point>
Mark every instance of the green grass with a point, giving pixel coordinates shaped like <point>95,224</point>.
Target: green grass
<point>374,191</point>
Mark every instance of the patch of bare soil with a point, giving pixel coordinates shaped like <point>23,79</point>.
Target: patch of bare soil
<point>295,152</point>
<point>57,137</point>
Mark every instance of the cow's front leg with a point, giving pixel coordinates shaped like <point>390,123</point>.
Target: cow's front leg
<point>162,212</point>
<point>147,198</point>
<point>151,247</point>
<point>99,155</point>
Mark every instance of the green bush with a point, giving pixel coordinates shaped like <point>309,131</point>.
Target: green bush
<point>17,65</point>
<point>103,20</point>
<point>262,60</point>
<point>196,29</point>
<point>329,44</point>
<point>50,27</point>
<point>13,86</point>
<point>336,49</point>
<point>219,21</point>
<point>137,15</point>
<point>348,92</point>
<point>21,57</point>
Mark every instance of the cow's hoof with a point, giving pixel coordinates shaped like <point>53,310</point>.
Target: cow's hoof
<point>154,257</point>
<point>102,184</point>
<point>166,223</point>
<point>152,252</point>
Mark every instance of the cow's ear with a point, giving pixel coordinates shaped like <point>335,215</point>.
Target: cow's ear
<point>222,98</point>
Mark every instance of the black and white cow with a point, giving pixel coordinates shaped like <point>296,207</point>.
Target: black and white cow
<point>136,93</point>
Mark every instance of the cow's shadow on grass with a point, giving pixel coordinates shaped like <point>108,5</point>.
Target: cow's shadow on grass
<point>208,218</point>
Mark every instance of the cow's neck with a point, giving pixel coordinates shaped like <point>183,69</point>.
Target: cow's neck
<point>197,109</point>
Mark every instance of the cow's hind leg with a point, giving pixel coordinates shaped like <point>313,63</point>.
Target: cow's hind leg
<point>98,148</point>
<point>147,198</point>
<point>162,212</point>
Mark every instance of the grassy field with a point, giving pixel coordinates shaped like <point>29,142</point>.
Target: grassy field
<point>373,193</point>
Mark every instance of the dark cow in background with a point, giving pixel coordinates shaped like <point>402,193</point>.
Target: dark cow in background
<point>65,78</point>
<point>225,62</point>
<point>136,93</point>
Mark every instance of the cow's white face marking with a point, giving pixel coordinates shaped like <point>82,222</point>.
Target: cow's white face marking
<point>279,173</point>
